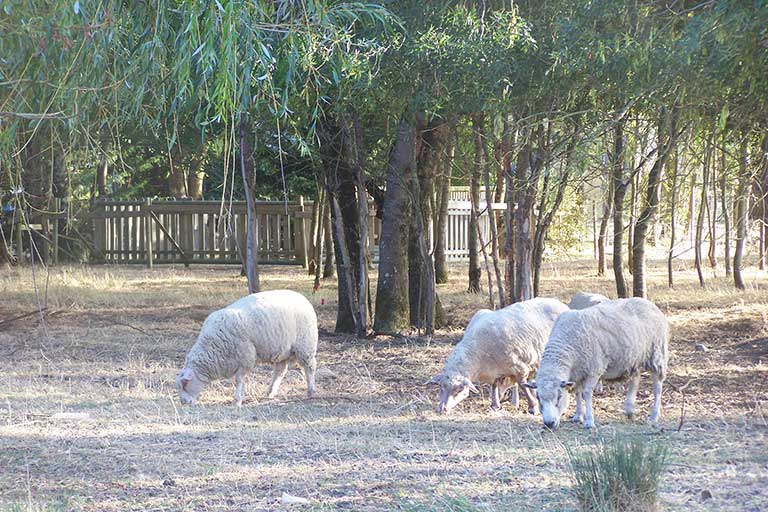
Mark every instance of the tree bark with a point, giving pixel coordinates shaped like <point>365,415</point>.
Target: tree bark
<point>764,204</point>
<point>666,140</point>
<point>252,229</point>
<point>392,307</point>
<point>619,191</point>
<point>712,209</point>
<point>741,214</point>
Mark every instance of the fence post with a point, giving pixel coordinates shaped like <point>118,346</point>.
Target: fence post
<point>301,234</point>
<point>148,233</point>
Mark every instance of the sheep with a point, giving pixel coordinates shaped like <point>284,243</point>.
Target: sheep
<point>612,340</point>
<point>277,327</point>
<point>583,300</point>
<point>501,348</point>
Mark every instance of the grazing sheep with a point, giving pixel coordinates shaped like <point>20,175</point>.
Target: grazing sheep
<point>500,348</point>
<point>613,340</point>
<point>277,327</point>
<point>584,300</point>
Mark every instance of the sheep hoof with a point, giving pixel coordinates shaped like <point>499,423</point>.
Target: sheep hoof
<point>630,415</point>
<point>589,424</point>
<point>576,419</point>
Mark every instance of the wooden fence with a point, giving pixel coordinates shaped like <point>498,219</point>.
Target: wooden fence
<point>187,232</point>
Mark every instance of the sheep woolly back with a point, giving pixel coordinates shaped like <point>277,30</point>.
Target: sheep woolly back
<point>619,337</point>
<point>583,300</point>
<point>504,342</point>
<point>266,327</point>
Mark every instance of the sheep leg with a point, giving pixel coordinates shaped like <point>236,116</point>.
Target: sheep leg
<point>239,387</point>
<point>578,417</point>
<point>309,374</point>
<point>495,396</point>
<point>515,398</point>
<point>658,380</point>
<point>533,404</point>
<point>589,417</point>
<point>277,377</point>
<point>629,403</point>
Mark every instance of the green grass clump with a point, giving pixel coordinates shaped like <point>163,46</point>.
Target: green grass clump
<point>621,473</point>
<point>455,503</point>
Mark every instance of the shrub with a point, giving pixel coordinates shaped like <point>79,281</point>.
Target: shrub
<point>621,473</point>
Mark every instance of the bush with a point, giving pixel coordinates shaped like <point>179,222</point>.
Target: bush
<point>618,474</point>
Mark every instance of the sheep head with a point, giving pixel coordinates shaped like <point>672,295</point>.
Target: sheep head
<point>189,385</point>
<point>453,389</point>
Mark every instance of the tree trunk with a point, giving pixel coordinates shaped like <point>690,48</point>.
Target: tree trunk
<point>482,148</point>
<point>329,270</point>
<point>444,192</point>
<point>340,161</point>
<point>726,213</point>
<point>619,191</point>
<point>252,229</point>
<point>741,214</point>
<point>392,308</point>
<point>700,219</point>
<point>764,205</point>
<point>607,210</point>
<point>633,192</point>
<point>666,140</point>
<point>473,243</point>
<point>673,220</point>
<point>509,233</point>
<point>363,299</point>
<point>712,210</point>
<point>102,172</point>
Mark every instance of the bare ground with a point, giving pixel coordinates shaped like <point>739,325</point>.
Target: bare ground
<point>115,336</point>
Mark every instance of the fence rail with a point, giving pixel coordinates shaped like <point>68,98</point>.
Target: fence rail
<point>149,232</point>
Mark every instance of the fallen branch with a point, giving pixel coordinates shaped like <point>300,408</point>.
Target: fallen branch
<point>19,317</point>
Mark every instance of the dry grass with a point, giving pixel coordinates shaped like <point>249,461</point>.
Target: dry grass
<point>116,336</point>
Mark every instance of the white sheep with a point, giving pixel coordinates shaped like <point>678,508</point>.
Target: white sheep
<point>612,340</point>
<point>501,348</point>
<point>583,300</point>
<point>277,327</point>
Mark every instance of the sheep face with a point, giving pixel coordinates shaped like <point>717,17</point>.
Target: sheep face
<point>189,385</point>
<point>453,389</point>
<point>553,400</point>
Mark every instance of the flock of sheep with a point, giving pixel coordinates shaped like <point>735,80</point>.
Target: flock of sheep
<point>570,349</point>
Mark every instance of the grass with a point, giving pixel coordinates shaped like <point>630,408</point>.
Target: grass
<point>619,474</point>
<point>115,337</point>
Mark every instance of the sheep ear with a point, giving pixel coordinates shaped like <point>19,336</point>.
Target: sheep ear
<point>471,386</point>
<point>435,380</point>
<point>567,384</point>
<point>531,385</point>
<point>184,381</point>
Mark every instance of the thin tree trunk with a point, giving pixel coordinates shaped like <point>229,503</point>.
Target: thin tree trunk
<point>633,192</point>
<point>481,151</point>
<point>102,173</point>
<point>764,205</point>
<point>741,214</point>
<point>509,233</point>
<point>726,213</point>
<point>329,269</point>
<point>392,308</point>
<point>317,250</point>
<point>524,221</point>
<point>673,220</point>
<point>316,226</point>
<point>355,139</point>
<point>473,243</point>
<point>444,192</point>
<point>606,215</point>
<point>700,218</point>
<point>712,210</point>
<point>252,229</point>
<point>619,191</point>
<point>666,140</point>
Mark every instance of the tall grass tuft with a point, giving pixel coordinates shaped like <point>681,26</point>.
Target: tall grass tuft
<point>621,473</point>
